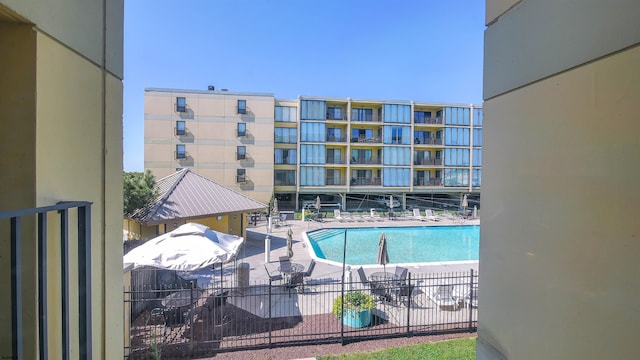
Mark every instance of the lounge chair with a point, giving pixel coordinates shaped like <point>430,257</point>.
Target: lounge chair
<point>363,277</point>
<point>429,215</point>
<point>442,295</point>
<point>339,216</point>
<point>374,215</point>
<point>282,220</point>
<point>417,216</point>
<point>404,291</point>
<point>285,264</point>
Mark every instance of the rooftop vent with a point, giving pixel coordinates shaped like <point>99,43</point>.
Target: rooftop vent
<point>224,89</point>
<point>212,88</point>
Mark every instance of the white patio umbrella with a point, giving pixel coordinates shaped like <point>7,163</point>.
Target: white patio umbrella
<point>189,247</point>
<point>275,206</point>
<point>318,204</point>
<point>391,204</point>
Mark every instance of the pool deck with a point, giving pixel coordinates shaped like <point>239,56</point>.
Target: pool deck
<point>254,249</point>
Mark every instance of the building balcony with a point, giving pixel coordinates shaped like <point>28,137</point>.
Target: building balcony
<point>333,182</point>
<point>366,181</point>
<point>278,182</point>
<point>333,160</point>
<point>429,121</point>
<point>367,140</point>
<point>435,162</point>
<point>427,141</point>
<point>427,182</point>
<point>340,139</point>
<point>338,117</point>
<point>364,161</point>
<point>53,227</point>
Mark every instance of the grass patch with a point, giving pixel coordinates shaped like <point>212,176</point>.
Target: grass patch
<point>449,349</point>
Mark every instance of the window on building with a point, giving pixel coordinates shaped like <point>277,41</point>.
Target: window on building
<point>284,177</point>
<point>477,137</point>
<point>181,151</point>
<point>285,135</point>
<point>334,177</point>
<point>456,177</point>
<point>477,177</point>
<point>242,129</point>
<point>477,117</point>
<point>312,176</point>
<point>477,157</point>
<point>456,136</point>
<point>421,117</point>
<point>312,154</point>
<point>285,156</point>
<point>181,104</point>
<point>334,113</point>
<point>396,155</point>
<point>396,176</point>
<point>361,114</point>
<point>181,128</point>
<point>242,106</point>
<point>397,135</point>
<point>241,152</point>
<point>313,132</point>
<point>312,110</point>
<point>241,175</point>
<point>456,157</point>
<point>286,114</point>
<point>395,113</point>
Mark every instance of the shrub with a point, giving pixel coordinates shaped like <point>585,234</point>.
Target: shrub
<point>355,301</point>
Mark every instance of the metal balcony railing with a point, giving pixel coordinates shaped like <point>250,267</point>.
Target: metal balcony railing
<point>427,141</point>
<point>364,161</point>
<point>180,132</point>
<point>241,179</point>
<point>180,155</point>
<point>333,160</point>
<point>430,120</point>
<point>364,181</point>
<point>241,156</point>
<point>336,117</point>
<point>428,162</point>
<point>364,139</point>
<point>332,181</point>
<point>341,139</point>
<point>45,236</point>
<point>241,133</point>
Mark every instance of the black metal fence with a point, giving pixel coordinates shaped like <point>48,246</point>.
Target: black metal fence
<point>203,320</point>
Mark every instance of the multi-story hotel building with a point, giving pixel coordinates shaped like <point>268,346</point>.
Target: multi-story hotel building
<point>353,153</point>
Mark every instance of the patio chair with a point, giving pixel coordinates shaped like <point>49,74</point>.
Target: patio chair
<point>276,277</point>
<point>417,216</point>
<point>363,277</point>
<point>282,220</point>
<point>401,272</point>
<point>285,264</point>
<point>310,268</point>
<point>471,298</point>
<point>296,281</point>
<point>443,296</point>
<point>404,291</point>
<point>338,216</point>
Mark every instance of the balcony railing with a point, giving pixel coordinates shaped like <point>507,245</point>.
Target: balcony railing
<point>180,132</point>
<point>427,182</point>
<point>241,179</point>
<point>364,139</point>
<point>333,182</point>
<point>427,141</point>
<point>284,183</point>
<point>428,162</point>
<point>240,156</point>
<point>341,139</point>
<point>334,117</point>
<point>82,249</point>
<point>241,133</point>
<point>333,160</point>
<point>180,155</point>
<point>364,161</point>
<point>363,181</point>
<point>430,120</point>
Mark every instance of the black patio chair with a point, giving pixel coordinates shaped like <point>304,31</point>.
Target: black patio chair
<point>296,281</point>
<point>401,272</point>
<point>404,291</point>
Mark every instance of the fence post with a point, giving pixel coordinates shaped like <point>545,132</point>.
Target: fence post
<point>408,287</point>
<point>270,313</point>
<point>470,298</point>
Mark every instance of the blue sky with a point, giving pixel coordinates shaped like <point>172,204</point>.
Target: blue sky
<point>423,50</point>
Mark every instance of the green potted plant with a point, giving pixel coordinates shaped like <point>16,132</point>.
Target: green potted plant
<point>354,309</point>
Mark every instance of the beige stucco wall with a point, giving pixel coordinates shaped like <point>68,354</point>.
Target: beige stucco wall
<point>211,143</point>
<point>558,254</point>
<point>65,143</point>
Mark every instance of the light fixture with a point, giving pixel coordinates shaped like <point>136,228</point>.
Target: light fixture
<point>219,218</point>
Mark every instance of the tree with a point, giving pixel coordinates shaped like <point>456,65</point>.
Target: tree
<point>139,190</point>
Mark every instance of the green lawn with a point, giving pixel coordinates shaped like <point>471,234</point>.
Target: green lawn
<point>443,350</point>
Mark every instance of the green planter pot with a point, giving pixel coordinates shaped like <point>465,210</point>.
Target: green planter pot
<point>356,319</point>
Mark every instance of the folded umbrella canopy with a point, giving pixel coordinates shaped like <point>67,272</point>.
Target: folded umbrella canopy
<point>189,247</point>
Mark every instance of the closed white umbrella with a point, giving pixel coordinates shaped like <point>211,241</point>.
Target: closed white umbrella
<point>391,204</point>
<point>290,243</point>
<point>189,247</point>
<point>383,256</point>
<point>318,204</point>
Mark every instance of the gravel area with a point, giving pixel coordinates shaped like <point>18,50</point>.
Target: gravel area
<point>311,351</point>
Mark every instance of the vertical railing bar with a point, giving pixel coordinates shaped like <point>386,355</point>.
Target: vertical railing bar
<point>84,281</point>
<point>42,286</point>
<point>408,304</point>
<point>64,259</point>
<point>470,299</point>
<point>270,284</point>
<point>16,288</point>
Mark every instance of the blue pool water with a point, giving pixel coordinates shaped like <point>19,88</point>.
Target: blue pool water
<point>419,244</point>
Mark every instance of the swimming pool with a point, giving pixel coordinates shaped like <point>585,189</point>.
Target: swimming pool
<point>416,244</point>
